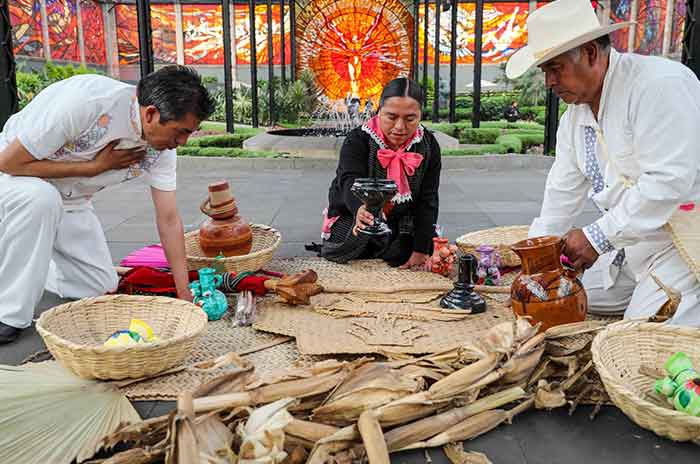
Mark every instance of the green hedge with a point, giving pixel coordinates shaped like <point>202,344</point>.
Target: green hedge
<point>225,152</point>
<point>502,124</point>
<point>482,136</point>
<point>511,143</point>
<point>234,140</point>
<point>472,151</point>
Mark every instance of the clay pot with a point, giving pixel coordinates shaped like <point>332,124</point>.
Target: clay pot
<point>224,232</point>
<point>544,289</point>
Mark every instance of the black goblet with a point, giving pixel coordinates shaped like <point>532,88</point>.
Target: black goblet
<point>374,193</point>
<point>463,296</point>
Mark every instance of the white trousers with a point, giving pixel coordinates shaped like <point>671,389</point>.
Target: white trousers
<point>635,294</point>
<point>44,246</point>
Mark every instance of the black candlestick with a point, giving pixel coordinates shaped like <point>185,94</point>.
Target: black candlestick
<point>374,193</point>
<point>463,296</point>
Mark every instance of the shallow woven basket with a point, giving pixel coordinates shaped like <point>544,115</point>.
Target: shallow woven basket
<point>621,349</point>
<point>501,238</point>
<point>75,332</point>
<point>265,241</point>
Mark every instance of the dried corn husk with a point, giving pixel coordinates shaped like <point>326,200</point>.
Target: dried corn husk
<point>456,454</point>
<point>547,397</point>
<point>461,380</point>
<point>430,426</point>
<point>368,387</point>
<point>263,434</point>
<point>310,431</point>
<point>47,414</point>
<point>186,449</point>
<point>214,441</point>
<point>409,408</point>
<point>373,439</point>
<point>470,428</point>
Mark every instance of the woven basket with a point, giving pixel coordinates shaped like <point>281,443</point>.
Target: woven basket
<point>501,238</point>
<point>265,241</point>
<point>75,332</point>
<point>621,349</point>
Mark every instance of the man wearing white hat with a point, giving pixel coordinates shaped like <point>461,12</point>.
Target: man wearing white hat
<point>630,141</point>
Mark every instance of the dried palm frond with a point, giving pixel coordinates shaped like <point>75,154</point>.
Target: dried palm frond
<point>182,433</point>
<point>48,414</point>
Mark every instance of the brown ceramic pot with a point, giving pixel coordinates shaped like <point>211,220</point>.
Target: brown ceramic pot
<point>224,232</point>
<point>544,289</point>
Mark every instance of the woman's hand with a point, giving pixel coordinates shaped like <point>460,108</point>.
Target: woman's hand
<point>417,262</point>
<point>363,218</point>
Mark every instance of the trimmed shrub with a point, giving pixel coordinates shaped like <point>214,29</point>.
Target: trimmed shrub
<point>480,136</point>
<point>511,143</point>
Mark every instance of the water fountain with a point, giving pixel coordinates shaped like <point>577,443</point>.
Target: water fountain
<point>332,121</point>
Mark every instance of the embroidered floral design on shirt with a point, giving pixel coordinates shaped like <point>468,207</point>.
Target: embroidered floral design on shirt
<point>85,141</point>
<point>145,164</point>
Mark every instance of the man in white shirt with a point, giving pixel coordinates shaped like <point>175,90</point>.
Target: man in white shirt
<point>630,140</point>
<point>73,139</point>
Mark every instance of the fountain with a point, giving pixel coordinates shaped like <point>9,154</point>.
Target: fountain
<point>331,123</point>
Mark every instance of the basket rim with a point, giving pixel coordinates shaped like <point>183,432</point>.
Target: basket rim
<point>101,349</point>
<point>463,239</point>
<point>247,257</point>
<point>611,381</point>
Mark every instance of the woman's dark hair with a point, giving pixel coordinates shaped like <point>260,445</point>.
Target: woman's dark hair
<point>402,87</point>
<point>176,91</point>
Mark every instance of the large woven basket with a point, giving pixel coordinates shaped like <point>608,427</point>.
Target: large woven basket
<point>75,332</point>
<point>621,349</point>
<point>265,241</point>
<point>501,238</point>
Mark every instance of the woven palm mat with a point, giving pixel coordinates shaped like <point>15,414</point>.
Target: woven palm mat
<point>220,338</point>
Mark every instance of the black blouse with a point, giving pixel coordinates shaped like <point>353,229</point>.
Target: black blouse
<point>358,158</point>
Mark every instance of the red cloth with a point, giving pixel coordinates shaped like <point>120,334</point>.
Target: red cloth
<point>143,279</point>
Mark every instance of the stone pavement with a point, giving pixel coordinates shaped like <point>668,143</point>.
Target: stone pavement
<point>291,200</point>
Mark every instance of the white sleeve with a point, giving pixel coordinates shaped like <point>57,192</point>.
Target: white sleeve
<point>666,140</point>
<point>56,121</point>
<point>565,190</point>
<point>162,174</point>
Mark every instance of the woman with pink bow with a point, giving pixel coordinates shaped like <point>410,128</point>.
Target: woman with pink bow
<point>392,145</point>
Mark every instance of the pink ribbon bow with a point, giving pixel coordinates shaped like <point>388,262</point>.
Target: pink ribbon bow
<point>398,164</point>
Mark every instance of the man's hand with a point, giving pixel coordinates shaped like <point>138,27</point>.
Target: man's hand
<point>579,250</point>
<point>110,158</point>
<point>363,218</point>
<point>417,262</point>
<point>185,294</point>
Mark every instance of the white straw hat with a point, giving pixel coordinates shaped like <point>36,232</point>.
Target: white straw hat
<point>556,28</point>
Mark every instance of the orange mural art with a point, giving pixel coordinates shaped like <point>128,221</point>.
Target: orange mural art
<point>242,34</point>
<point>504,32</point>
<point>354,47</point>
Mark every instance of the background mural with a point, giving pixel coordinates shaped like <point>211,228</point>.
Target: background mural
<point>354,47</point>
<point>204,43</point>
<point>25,17</point>
<point>163,35</point>
<point>650,27</point>
<point>620,12</point>
<point>242,33</point>
<point>93,32</point>
<point>503,33</point>
<point>63,29</point>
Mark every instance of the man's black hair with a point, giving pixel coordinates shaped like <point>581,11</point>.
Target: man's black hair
<point>175,91</point>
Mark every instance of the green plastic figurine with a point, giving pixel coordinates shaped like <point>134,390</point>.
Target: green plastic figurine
<point>682,386</point>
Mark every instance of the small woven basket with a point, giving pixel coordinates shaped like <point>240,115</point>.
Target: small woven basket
<point>501,238</point>
<point>75,332</point>
<point>265,241</point>
<point>621,349</point>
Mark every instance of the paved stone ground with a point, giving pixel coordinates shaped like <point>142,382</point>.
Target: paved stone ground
<point>291,200</point>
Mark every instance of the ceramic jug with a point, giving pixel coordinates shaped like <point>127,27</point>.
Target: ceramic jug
<point>544,290</point>
<point>224,232</point>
